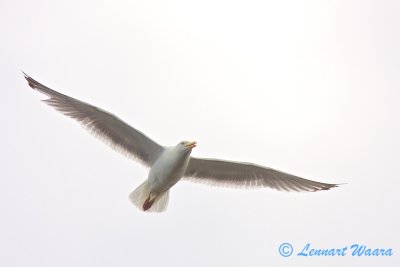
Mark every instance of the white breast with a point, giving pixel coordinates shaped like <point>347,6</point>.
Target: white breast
<point>167,170</point>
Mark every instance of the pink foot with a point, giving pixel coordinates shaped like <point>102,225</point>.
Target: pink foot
<point>147,204</point>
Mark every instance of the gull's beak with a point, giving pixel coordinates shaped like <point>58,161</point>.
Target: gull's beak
<point>191,145</point>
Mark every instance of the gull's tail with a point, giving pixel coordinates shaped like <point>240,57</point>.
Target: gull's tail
<point>140,198</point>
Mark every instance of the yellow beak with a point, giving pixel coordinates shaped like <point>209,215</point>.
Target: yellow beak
<point>191,145</point>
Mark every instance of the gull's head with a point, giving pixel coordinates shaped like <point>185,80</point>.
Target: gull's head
<point>187,145</point>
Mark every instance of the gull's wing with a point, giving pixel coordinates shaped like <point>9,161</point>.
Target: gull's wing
<point>102,124</point>
<point>226,173</point>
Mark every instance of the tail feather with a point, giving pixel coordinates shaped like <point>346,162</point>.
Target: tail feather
<point>140,194</point>
<point>161,202</point>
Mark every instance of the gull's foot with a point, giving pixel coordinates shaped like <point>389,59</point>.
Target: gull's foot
<point>147,203</point>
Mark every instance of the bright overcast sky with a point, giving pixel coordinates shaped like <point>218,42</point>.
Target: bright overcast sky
<point>307,87</point>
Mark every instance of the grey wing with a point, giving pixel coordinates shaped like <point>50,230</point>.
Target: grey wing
<point>226,173</point>
<point>103,124</point>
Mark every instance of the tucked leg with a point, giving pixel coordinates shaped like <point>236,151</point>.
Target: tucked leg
<point>148,202</point>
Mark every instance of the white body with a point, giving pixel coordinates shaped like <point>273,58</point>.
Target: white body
<point>168,169</point>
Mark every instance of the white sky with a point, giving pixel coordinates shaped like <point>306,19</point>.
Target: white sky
<point>307,87</point>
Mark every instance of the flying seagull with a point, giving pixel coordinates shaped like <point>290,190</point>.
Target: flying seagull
<point>169,164</point>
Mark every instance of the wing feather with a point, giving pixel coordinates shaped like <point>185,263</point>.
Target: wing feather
<point>103,125</point>
<point>228,173</point>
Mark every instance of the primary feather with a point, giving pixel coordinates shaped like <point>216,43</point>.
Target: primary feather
<point>103,124</point>
<point>227,173</point>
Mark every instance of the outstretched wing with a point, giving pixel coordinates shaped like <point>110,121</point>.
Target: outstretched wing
<point>103,124</point>
<point>226,173</point>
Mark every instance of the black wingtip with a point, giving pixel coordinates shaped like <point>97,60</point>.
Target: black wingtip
<point>28,79</point>
<point>26,76</point>
<point>40,87</point>
<point>31,82</point>
<point>330,186</point>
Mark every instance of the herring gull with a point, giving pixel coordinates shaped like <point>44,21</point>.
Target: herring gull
<point>169,164</point>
